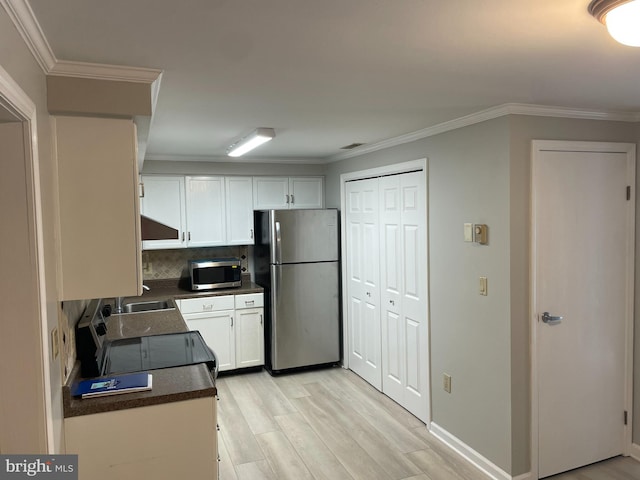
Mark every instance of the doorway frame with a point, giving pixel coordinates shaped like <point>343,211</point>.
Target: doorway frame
<point>15,101</point>
<point>393,169</point>
<point>629,149</point>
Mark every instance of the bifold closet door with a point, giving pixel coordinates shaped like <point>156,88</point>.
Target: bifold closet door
<point>363,277</point>
<point>403,303</point>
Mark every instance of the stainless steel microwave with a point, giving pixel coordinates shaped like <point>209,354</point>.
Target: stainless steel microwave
<point>215,273</point>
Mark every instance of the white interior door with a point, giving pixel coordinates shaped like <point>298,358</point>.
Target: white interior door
<point>583,251</point>
<point>363,273</point>
<point>403,290</point>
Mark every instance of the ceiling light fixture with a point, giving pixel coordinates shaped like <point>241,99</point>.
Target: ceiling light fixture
<point>622,18</point>
<point>251,141</point>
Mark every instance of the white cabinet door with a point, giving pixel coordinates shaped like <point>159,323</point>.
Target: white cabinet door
<point>306,192</point>
<point>239,203</point>
<point>363,276</point>
<point>270,193</point>
<point>403,291</point>
<point>249,337</point>
<point>205,211</point>
<point>163,201</point>
<point>98,199</point>
<point>217,329</point>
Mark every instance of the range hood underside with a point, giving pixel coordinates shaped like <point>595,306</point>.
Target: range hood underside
<point>153,230</point>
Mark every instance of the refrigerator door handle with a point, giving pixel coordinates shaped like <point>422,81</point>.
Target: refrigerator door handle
<point>278,258</point>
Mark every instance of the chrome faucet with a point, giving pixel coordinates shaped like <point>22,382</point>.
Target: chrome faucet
<point>119,306</point>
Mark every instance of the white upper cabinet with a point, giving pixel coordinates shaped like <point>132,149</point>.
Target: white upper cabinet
<point>205,211</point>
<point>306,192</point>
<point>98,196</point>
<point>239,208</point>
<point>287,192</point>
<point>163,200</point>
<point>270,193</point>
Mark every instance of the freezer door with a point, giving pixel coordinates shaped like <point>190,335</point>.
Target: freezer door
<point>304,316</point>
<point>304,236</point>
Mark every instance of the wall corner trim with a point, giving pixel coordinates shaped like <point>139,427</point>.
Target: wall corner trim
<point>478,461</point>
<point>27,25</point>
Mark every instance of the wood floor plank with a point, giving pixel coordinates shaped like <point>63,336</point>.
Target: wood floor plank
<point>252,406</point>
<point>386,453</point>
<point>460,465</point>
<point>433,465</point>
<point>273,399</point>
<point>320,461</point>
<point>290,386</point>
<point>358,463</point>
<point>422,476</point>
<point>254,471</point>
<point>282,457</point>
<point>225,465</point>
<point>234,429</point>
<point>406,418</point>
<point>366,401</point>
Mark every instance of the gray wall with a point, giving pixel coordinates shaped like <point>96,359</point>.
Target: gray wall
<point>481,174</point>
<point>470,334</point>
<point>231,168</point>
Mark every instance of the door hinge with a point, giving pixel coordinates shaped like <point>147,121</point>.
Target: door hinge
<point>628,192</point>
<point>626,417</point>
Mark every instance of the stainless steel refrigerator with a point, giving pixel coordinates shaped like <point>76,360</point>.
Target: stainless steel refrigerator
<point>296,260</point>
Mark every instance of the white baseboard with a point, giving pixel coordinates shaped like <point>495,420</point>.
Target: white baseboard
<point>478,461</point>
<point>635,451</point>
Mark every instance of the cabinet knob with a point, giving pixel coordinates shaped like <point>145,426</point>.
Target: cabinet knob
<point>292,200</point>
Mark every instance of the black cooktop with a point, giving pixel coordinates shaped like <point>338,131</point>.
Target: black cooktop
<point>99,356</point>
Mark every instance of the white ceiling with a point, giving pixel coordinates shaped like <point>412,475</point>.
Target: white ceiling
<point>327,73</point>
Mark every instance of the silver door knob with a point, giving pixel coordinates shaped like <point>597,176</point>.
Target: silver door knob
<point>551,320</point>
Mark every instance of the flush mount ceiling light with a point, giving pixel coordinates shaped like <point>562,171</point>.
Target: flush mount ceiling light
<point>251,141</point>
<point>622,18</point>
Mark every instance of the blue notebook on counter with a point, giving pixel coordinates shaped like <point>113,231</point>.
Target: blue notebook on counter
<point>100,387</point>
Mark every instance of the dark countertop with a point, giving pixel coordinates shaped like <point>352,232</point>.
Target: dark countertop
<point>169,384</point>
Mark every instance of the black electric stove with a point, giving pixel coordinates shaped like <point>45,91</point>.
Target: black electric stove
<point>99,356</point>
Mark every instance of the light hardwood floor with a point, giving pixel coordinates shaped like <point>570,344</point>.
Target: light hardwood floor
<point>330,424</point>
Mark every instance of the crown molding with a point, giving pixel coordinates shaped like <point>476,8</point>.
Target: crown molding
<point>489,114</point>
<point>100,71</point>
<point>225,159</point>
<point>27,25</point>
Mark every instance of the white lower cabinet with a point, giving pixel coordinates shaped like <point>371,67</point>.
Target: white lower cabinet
<point>163,442</point>
<point>231,325</point>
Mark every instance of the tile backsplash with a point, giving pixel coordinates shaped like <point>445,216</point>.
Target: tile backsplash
<point>163,264</point>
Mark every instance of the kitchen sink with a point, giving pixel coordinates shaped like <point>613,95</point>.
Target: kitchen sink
<point>149,306</point>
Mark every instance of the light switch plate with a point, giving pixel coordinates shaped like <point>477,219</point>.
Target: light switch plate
<point>483,286</point>
<point>446,382</point>
<point>468,232</point>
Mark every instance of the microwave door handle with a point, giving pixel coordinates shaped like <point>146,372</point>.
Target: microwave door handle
<point>278,258</point>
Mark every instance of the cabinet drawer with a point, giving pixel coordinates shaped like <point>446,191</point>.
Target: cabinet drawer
<point>206,304</point>
<point>249,300</point>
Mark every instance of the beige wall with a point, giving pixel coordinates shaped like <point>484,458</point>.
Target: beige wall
<point>17,60</point>
<point>482,174</point>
